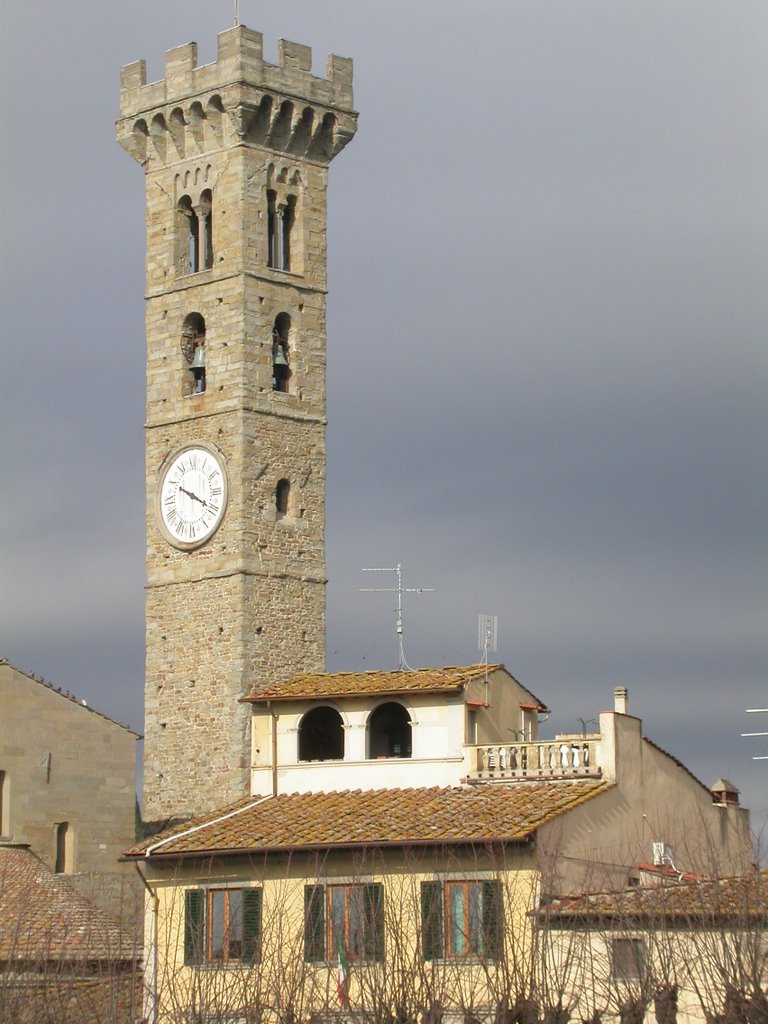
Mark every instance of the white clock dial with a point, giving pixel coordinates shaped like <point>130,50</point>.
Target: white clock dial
<point>192,497</point>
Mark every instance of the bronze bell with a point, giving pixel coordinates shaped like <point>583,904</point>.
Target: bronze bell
<point>279,359</point>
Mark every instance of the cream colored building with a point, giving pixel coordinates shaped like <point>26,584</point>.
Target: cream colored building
<point>390,816</point>
<point>67,783</point>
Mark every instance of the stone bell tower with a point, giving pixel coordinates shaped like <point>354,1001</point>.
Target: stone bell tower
<point>235,157</point>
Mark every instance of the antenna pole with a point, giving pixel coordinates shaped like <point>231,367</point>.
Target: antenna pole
<point>399,590</point>
<point>237,13</point>
<point>487,636</point>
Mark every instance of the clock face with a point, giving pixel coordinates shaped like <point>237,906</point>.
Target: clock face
<point>192,497</point>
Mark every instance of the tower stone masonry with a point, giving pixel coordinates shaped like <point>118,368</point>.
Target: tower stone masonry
<point>235,155</point>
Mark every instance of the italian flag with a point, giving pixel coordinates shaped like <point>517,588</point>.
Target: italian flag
<point>342,974</point>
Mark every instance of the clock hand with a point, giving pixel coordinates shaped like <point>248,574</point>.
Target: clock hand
<point>189,494</point>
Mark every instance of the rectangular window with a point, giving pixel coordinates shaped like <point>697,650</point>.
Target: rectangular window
<point>628,958</point>
<point>347,917</point>
<point>461,919</point>
<point>222,926</point>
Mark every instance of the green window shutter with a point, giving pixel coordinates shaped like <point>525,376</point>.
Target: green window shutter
<point>493,921</point>
<point>251,948</point>
<point>432,920</point>
<point>314,923</point>
<point>373,908</point>
<point>194,922</point>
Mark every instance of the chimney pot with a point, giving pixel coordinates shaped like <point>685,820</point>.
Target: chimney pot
<point>620,699</point>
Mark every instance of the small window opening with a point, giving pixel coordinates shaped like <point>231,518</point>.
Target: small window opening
<point>193,351</point>
<point>321,735</point>
<point>389,731</point>
<point>5,804</point>
<point>281,368</point>
<point>62,848</point>
<point>282,495</point>
<point>205,219</point>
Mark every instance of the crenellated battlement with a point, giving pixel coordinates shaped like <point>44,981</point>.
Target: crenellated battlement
<point>255,94</point>
<point>239,59</point>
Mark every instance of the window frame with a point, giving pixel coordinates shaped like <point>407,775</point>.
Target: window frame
<point>438,924</point>
<point>629,966</point>
<point>321,940</point>
<point>199,924</point>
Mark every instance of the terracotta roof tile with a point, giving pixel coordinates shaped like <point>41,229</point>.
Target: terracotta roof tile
<point>465,814</point>
<point>44,918</point>
<point>342,684</point>
<point>735,898</point>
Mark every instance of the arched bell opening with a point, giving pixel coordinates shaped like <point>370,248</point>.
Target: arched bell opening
<point>321,735</point>
<point>281,366</point>
<point>389,731</point>
<point>193,351</point>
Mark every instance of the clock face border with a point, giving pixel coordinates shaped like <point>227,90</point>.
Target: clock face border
<point>167,466</point>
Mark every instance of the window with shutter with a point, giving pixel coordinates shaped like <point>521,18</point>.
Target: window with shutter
<point>432,920</point>
<point>461,919</point>
<point>350,917</point>
<point>628,958</point>
<point>222,925</point>
<point>251,951</point>
<point>194,904</point>
<point>314,923</point>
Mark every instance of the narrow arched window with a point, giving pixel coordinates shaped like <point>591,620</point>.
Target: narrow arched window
<point>63,860</point>
<point>205,218</point>
<point>281,366</point>
<point>282,497</point>
<point>389,731</point>
<point>321,735</point>
<point>5,804</point>
<point>187,236</point>
<point>287,221</point>
<point>272,229</point>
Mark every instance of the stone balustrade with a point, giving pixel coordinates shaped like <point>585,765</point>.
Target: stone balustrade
<point>547,759</point>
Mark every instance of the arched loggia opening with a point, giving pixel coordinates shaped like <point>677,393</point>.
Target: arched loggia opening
<point>321,735</point>
<point>389,731</point>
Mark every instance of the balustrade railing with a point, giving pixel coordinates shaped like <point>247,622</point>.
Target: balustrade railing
<point>543,759</point>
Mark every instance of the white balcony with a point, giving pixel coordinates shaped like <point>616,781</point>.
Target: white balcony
<point>563,757</point>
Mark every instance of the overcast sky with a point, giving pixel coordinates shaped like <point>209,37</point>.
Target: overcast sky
<point>546,348</point>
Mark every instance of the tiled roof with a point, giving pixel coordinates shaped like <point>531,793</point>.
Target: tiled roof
<point>342,684</point>
<point>468,814</point>
<point>44,918</point>
<point>743,897</point>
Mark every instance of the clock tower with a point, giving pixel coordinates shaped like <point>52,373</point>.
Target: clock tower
<point>235,156</point>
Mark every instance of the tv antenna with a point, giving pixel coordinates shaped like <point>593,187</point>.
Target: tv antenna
<point>757,711</point>
<point>399,590</point>
<point>487,636</point>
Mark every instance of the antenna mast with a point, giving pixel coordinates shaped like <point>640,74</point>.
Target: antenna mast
<point>399,590</point>
<point>487,636</point>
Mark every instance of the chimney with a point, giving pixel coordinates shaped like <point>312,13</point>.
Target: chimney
<point>620,699</point>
